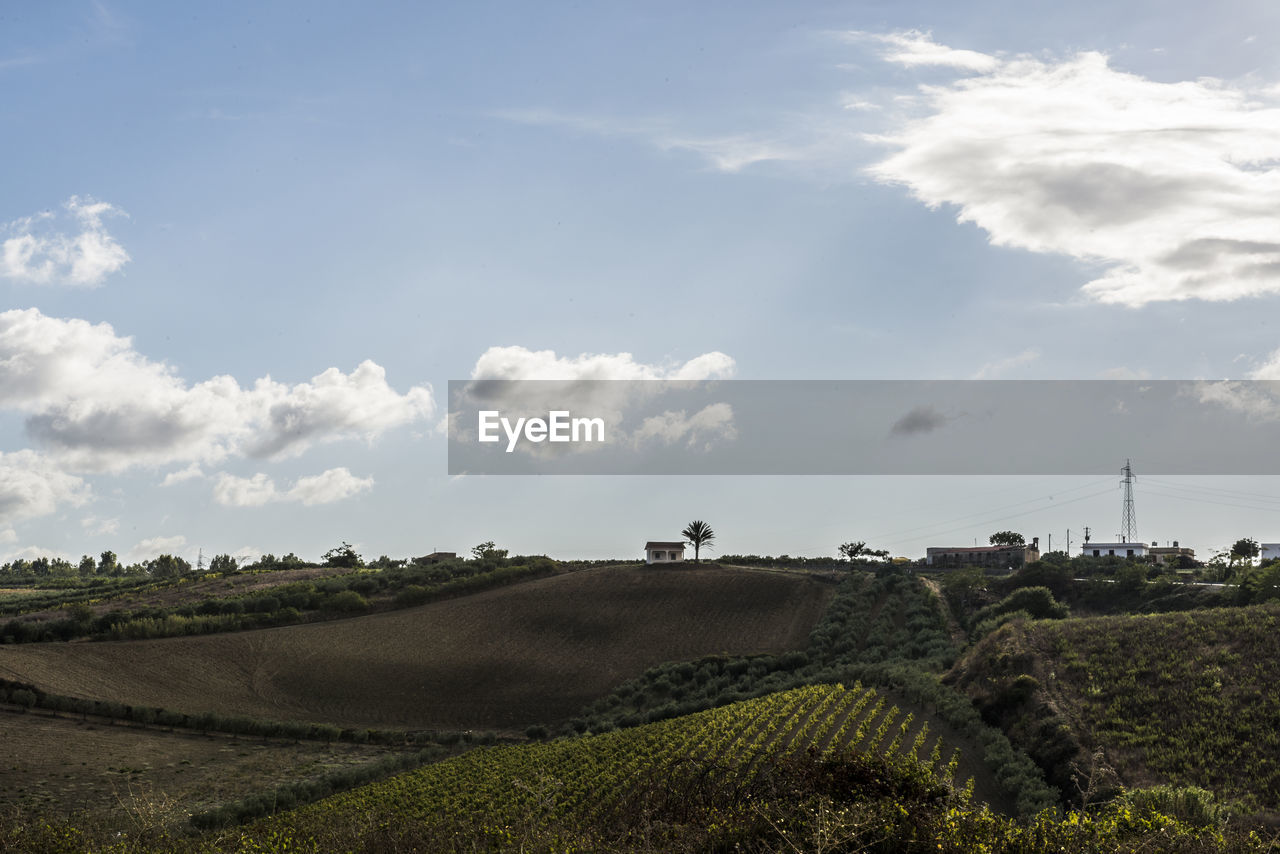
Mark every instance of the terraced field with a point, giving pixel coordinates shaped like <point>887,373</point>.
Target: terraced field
<point>583,781</point>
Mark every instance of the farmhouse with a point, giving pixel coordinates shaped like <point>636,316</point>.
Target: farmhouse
<point>1140,550</point>
<point>988,557</point>
<point>663,552</point>
<point>1166,555</point>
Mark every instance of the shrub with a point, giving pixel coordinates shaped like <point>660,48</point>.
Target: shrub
<point>348,601</point>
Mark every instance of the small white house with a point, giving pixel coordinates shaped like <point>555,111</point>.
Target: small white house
<point>659,552</point>
<point>1117,549</point>
<point>1270,551</point>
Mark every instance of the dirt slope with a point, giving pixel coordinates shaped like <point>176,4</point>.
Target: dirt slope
<point>505,658</point>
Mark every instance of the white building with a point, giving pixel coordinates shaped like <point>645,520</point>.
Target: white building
<point>1116,549</point>
<point>660,552</point>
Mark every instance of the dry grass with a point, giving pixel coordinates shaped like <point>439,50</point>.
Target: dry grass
<point>505,658</point>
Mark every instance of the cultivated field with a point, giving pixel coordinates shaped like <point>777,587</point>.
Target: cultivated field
<point>1188,699</point>
<point>534,652</point>
<point>60,765</point>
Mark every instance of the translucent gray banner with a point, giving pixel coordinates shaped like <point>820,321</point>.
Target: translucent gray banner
<point>719,427</point>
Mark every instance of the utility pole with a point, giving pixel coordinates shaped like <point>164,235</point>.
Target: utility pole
<point>1086,535</point>
<point>199,561</point>
<point>1068,542</point>
<point>1050,544</point>
<point>1129,520</point>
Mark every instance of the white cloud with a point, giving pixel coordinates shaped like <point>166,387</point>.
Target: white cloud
<point>519,363</point>
<point>95,525</point>
<point>1001,367</point>
<point>34,552</point>
<point>607,401</point>
<point>8,535</point>
<point>232,491</point>
<point>96,404</point>
<point>32,485</point>
<point>1252,399</point>
<point>189,473</point>
<point>155,546</point>
<point>1269,369</point>
<point>37,252</point>
<point>327,487</point>
<point>915,48</point>
<point>1173,188</point>
<point>703,429</point>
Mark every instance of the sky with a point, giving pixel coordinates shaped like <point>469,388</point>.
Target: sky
<point>244,248</point>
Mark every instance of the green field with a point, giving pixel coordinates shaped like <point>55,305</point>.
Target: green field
<point>1188,699</point>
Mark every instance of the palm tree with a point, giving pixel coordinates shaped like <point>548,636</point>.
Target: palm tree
<point>698,534</point>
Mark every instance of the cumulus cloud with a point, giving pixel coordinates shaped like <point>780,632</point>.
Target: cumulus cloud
<point>33,485</point>
<point>95,404</point>
<point>1256,400</point>
<point>703,429</point>
<point>39,250</point>
<point>1269,369</point>
<point>191,472</point>
<point>327,487</point>
<point>232,491</point>
<point>1173,189</point>
<point>609,386</point>
<point>520,363</point>
<point>1165,190</point>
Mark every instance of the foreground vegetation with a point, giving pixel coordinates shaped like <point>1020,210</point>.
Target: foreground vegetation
<point>1187,699</point>
<point>765,775</point>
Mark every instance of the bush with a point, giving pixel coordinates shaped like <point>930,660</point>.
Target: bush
<point>348,601</point>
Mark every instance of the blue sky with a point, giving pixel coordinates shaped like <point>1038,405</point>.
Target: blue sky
<point>195,202</point>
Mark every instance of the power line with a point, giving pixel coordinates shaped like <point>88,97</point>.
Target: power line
<point>1213,490</point>
<point>988,522</point>
<point>923,528</point>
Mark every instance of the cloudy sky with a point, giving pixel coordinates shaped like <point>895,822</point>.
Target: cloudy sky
<point>243,250</point>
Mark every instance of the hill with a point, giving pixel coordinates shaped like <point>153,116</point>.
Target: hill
<point>751,776</point>
<point>534,652</point>
<point>1187,699</point>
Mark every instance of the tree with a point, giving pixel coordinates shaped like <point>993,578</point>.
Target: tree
<point>699,534</point>
<point>487,551</point>
<point>107,563</point>
<point>343,555</point>
<point>859,551</point>
<point>222,563</point>
<point>1244,551</point>
<point>1007,538</point>
<point>88,566</point>
<point>168,566</point>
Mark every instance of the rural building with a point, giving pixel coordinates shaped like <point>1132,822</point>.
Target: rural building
<point>1270,551</point>
<point>436,557</point>
<point>987,557</point>
<point>1139,550</point>
<point>1171,554</point>
<point>660,552</point>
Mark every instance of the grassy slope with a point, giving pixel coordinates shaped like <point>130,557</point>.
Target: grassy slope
<point>533,652</point>
<point>60,765</point>
<point>1186,698</point>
